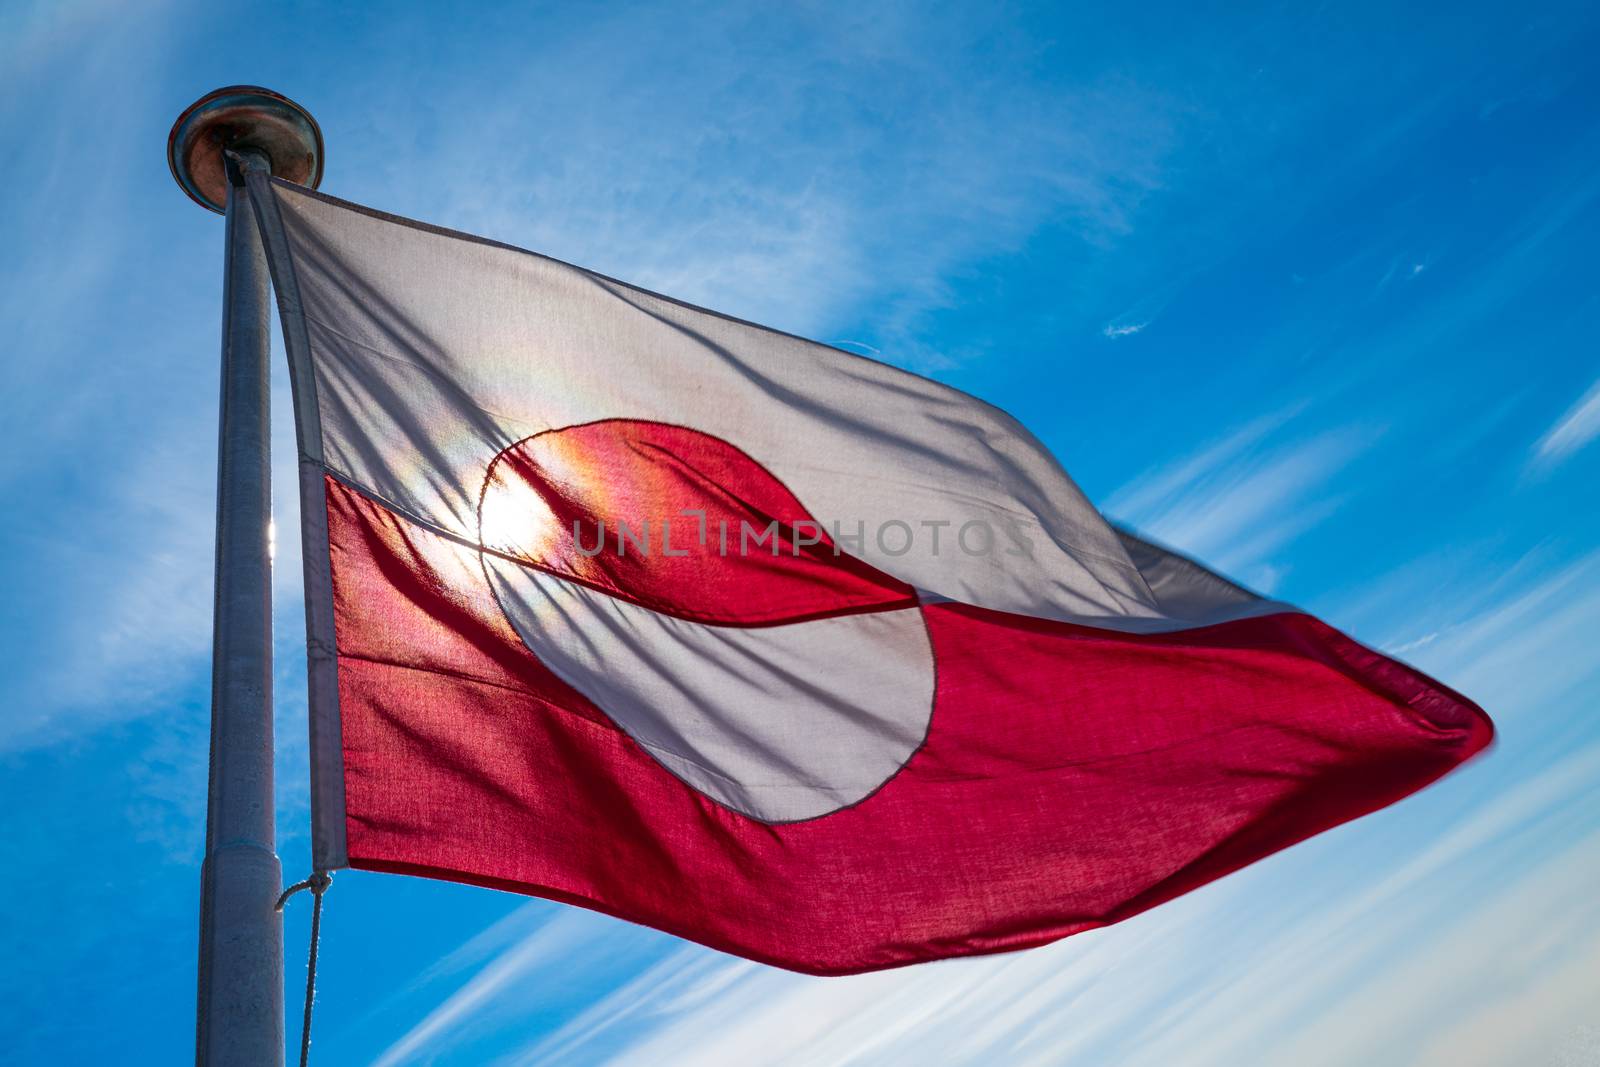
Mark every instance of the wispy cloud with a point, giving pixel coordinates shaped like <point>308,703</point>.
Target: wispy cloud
<point>551,943</point>
<point>1550,623</point>
<point>1116,330</point>
<point>1240,501</point>
<point>1573,430</point>
<point>1530,989</point>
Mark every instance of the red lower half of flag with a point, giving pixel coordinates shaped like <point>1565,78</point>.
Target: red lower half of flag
<point>1070,776</point>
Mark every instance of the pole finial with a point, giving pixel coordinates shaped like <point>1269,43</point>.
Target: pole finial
<point>242,117</point>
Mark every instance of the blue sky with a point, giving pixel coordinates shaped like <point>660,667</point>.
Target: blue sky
<point>1308,293</point>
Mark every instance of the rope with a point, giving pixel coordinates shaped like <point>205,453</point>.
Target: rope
<point>318,883</point>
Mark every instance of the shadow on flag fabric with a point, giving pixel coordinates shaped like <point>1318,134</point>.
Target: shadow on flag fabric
<point>624,603</point>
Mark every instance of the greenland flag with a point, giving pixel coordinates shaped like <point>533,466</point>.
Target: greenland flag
<point>624,603</point>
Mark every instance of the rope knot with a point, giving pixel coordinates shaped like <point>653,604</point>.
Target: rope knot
<point>318,883</point>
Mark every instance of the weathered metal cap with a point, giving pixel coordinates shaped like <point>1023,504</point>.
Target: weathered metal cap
<point>242,117</point>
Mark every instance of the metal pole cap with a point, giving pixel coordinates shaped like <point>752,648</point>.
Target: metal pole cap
<point>242,117</point>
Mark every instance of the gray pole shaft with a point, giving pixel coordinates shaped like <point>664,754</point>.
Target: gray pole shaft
<point>240,1017</point>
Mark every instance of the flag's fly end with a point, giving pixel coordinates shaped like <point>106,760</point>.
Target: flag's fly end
<point>242,118</point>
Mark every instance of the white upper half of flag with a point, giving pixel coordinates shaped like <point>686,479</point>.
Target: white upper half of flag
<point>433,352</point>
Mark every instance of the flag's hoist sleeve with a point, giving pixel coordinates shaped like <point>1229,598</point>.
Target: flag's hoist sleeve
<point>625,603</point>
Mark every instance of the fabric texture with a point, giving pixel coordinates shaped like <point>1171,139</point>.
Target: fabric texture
<point>647,609</point>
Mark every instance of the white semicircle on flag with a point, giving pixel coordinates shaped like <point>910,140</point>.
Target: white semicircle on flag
<point>781,723</point>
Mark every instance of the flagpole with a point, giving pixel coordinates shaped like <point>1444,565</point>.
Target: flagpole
<point>240,1012</point>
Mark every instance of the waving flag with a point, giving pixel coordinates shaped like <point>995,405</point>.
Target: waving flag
<point>628,604</point>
